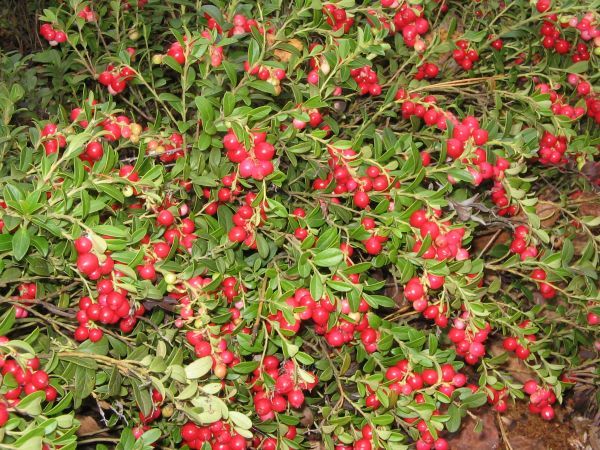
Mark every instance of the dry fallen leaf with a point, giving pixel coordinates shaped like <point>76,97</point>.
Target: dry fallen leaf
<point>284,55</point>
<point>88,426</point>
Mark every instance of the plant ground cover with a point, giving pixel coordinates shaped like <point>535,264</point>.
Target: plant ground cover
<point>272,225</point>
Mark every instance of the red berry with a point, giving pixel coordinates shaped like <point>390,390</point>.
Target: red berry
<point>373,245</point>
<point>237,234</point>
<point>547,413</point>
<point>83,245</point>
<point>165,218</point>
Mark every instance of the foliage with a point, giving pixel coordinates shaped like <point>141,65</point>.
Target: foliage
<point>271,224</point>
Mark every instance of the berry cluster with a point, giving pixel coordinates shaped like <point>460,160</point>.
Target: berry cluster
<point>588,28</point>
<point>511,344</point>
<point>87,14</point>
<point>243,25</point>
<point>27,294</point>
<point>182,231</point>
<point>314,120</point>
<point>244,228</point>
<point>415,292</point>
<point>116,79</point>
<point>375,180</point>
<point>53,140</point>
<point>155,413</point>
<point>553,39</point>
<point>521,245</point>
<point>227,194</point>
<point>427,71</point>
<point>272,75</point>
<point>219,435</point>
<point>464,132</point>
<point>497,398</point>
<point>345,177</point>
<point>290,382</point>
<point>469,342</point>
<point>168,150</point>
<point>256,162</point>
<point>547,290</point>
<point>582,87</point>
<point>411,22</point>
<point>118,127</point>
<point>19,379</point>
<point>552,149</point>
<point>337,18</point>
<point>111,307</point>
<point>221,356</point>
<point>501,200</point>
<point>215,52</point>
<point>540,400</point>
<point>52,35</point>
<point>425,108</point>
<point>446,242</point>
<point>560,106</point>
<point>404,382</point>
<point>593,107</point>
<point>465,56</point>
<point>374,243</point>
<point>366,78</point>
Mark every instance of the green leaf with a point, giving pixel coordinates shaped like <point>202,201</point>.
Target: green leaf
<point>240,420</point>
<point>142,397</point>
<point>20,243</point>
<point>476,400</point>
<point>228,103</point>
<point>151,436</point>
<point>245,367</point>
<point>198,368</point>
<point>453,424</point>
<point>32,404</point>
<point>578,67</point>
<point>206,111</point>
<point>330,257</point>
<point>7,321</point>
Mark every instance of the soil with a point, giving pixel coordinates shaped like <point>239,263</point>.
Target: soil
<point>518,429</point>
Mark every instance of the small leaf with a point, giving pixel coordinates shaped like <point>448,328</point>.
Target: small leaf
<point>20,243</point>
<point>245,367</point>
<point>198,368</point>
<point>330,257</point>
<point>240,420</point>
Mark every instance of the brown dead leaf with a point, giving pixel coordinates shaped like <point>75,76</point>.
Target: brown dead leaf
<point>308,418</point>
<point>589,204</point>
<point>442,31</point>
<point>548,213</point>
<point>483,241</point>
<point>580,241</point>
<point>281,54</point>
<point>88,426</point>
<point>513,366</point>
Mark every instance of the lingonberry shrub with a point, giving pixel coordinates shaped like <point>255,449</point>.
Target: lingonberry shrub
<point>284,225</point>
